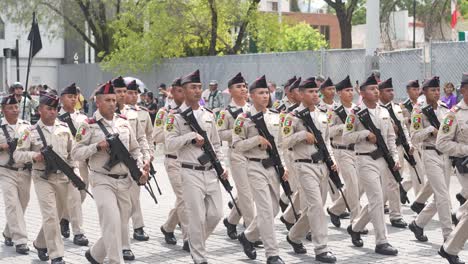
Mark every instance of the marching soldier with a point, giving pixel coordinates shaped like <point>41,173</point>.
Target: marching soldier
<point>437,164</point>
<point>263,180</point>
<point>15,177</point>
<point>452,139</point>
<point>201,190</point>
<point>391,186</point>
<point>177,214</point>
<point>345,156</point>
<point>51,188</point>
<point>111,188</point>
<point>140,120</point>
<point>73,212</point>
<point>225,123</point>
<point>312,173</point>
<point>371,170</point>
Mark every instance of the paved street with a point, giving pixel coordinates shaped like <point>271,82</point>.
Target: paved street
<point>223,250</point>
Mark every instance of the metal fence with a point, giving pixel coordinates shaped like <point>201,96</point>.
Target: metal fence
<point>447,60</point>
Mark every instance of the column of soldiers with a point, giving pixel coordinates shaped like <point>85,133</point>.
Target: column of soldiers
<point>285,157</point>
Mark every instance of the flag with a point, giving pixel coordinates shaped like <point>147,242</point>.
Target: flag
<point>454,13</point>
<point>35,37</point>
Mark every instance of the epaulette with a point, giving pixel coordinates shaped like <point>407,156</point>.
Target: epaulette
<point>322,108</point>
<point>455,109</point>
<point>175,110</point>
<point>443,104</point>
<point>142,108</point>
<point>209,110</point>
<point>132,107</point>
<point>90,120</point>
<point>356,109</point>
<point>62,123</point>
<point>122,116</point>
<point>274,110</point>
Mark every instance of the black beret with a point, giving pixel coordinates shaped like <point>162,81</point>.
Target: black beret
<point>133,86</point>
<point>236,79</point>
<point>386,84</point>
<point>106,88</point>
<point>49,100</point>
<point>327,83</point>
<point>71,89</point>
<point>345,83</point>
<point>413,84</point>
<point>290,81</point>
<point>308,83</point>
<point>193,77</point>
<point>9,99</point>
<point>162,85</point>
<point>119,82</point>
<point>177,82</point>
<point>464,78</point>
<point>432,82</point>
<point>259,83</point>
<point>371,80</point>
<point>295,84</point>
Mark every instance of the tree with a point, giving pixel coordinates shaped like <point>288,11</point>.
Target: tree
<point>344,12</point>
<point>71,14</point>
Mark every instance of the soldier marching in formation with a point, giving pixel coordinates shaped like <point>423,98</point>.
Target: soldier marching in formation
<point>287,157</point>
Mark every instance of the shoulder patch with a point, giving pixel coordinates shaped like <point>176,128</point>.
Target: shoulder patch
<point>160,118</point>
<point>416,120</point>
<point>239,124</point>
<point>80,133</point>
<point>287,125</point>
<point>448,123</point>
<point>350,120</point>
<point>170,122</point>
<point>276,104</point>
<point>220,118</point>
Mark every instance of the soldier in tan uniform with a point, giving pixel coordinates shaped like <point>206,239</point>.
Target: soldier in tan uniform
<point>201,190</point>
<point>436,163</point>
<point>345,156</point>
<point>15,177</point>
<point>312,173</point>
<point>264,181</point>
<point>140,120</point>
<point>391,186</point>
<point>111,189</point>
<point>225,123</point>
<point>452,139</point>
<point>51,188</point>
<point>371,171</point>
<point>177,214</point>
<point>73,212</point>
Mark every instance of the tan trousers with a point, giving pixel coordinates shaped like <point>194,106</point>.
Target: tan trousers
<point>346,162</point>
<point>15,186</point>
<point>203,206</point>
<point>265,184</point>
<point>112,197</point>
<point>293,179</point>
<point>370,172</point>
<point>313,182</point>
<point>52,196</point>
<point>438,175</point>
<point>244,192</point>
<point>177,214</point>
<point>73,211</point>
<point>136,214</point>
<point>412,181</point>
<point>392,190</point>
<point>425,193</point>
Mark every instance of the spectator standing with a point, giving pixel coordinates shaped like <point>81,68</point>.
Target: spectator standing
<point>450,99</point>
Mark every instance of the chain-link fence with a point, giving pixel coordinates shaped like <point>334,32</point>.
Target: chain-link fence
<point>337,64</point>
<point>449,60</point>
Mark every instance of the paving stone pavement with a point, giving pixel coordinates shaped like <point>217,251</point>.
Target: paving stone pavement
<point>223,250</point>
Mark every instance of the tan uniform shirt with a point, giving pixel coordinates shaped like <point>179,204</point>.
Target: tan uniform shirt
<point>159,122</point>
<point>452,138</point>
<point>421,129</point>
<point>15,131</point>
<point>337,126</point>
<point>132,116</point>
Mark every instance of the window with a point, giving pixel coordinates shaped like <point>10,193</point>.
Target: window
<point>2,29</point>
<point>324,30</point>
<point>273,6</point>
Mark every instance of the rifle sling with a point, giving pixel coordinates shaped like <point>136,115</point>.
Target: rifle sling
<point>67,119</point>
<point>103,128</point>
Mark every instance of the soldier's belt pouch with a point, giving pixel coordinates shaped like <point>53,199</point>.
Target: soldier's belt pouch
<point>204,159</point>
<point>267,163</point>
<point>376,154</point>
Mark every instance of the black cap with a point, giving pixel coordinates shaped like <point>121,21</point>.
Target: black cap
<point>9,99</point>
<point>308,83</point>
<point>133,86</point>
<point>193,77</point>
<point>162,85</point>
<point>49,100</point>
<point>413,84</point>
<point>177,82</point>
<point>386,84</point>
<point>71,89</point>
<point>464,79</point>
<point>236,79</point>
<point>290,82</point>
<point>328,82</point>
<point>119,82</point>
<point>259,83</point>
<point>371,80</point>
<point>432,82</point>
<point>106,88</point>
<point>295,84</point>
<point>17,85</point>
<point>345,83</point>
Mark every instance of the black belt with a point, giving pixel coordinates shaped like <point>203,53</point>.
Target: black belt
<point>13,168</point>
<point>256,159</point>
<point>196,167</point>
<point>432,148</point>
<point>171,156</point>
<point>348,147</point>
<point>114,176</point>
<point>363,154</point>
<point>308,161</point>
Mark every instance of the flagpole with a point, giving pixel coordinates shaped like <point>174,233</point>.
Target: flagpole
<point>31,42</point>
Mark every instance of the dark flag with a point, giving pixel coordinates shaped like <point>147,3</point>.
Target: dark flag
<point>35,38</point>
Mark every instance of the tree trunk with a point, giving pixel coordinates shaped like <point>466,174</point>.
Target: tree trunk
<point>214,27</point>
<point>345,28</point>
